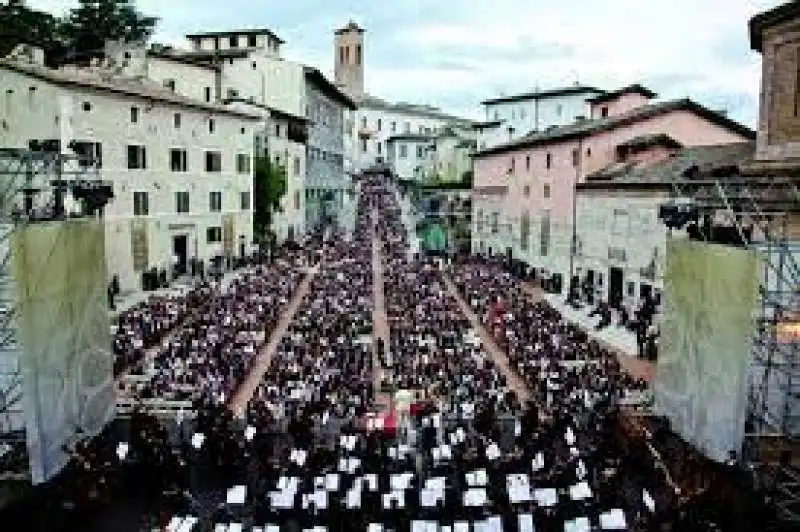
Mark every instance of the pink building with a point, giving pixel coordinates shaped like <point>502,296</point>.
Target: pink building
<point>533,216</point>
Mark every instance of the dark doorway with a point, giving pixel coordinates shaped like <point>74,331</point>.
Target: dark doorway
<point>242,247</point>
<point>645,291</point>
<point>616,284</point>
<point>179,251</point>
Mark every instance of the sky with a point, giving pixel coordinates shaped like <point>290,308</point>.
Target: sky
<point>456,54</point>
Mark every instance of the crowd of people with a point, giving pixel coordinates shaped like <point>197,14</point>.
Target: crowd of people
<point>199,346</point>
<point>424,430</point>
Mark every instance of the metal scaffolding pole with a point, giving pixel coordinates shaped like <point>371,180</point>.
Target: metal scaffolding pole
<point>34,185</point>
<point>762,209</point>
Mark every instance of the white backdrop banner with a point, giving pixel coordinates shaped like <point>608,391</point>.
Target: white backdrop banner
<point>64,336</point>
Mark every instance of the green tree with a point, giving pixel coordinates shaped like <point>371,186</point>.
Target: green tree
<point>20,24</point>
<point>93,22</point>
<point>269,187</point>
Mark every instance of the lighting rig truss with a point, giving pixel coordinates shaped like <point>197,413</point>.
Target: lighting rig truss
<point>763,211</point>
<point>37,184</point>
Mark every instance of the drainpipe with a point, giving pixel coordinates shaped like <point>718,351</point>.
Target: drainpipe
<point>574,239</point>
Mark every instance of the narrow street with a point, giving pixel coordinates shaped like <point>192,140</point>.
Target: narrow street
<point>380,322</point>
<point>261,365</point>
<point>489,345</point>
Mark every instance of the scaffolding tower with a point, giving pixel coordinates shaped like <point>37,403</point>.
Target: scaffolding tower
<point>34,184</point>
<point>763,209</point>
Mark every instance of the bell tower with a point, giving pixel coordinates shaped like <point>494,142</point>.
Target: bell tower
<point>349,58</point>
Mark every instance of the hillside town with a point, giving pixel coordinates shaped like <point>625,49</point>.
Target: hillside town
<point>314,308</point>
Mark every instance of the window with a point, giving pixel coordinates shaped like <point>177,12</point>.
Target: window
<point>407,127</point>
<point>182,202</point>
<point>176,120</point>
<point>522,113</point>
<point>548,161</point>
<point>137,158</point>
<point>576,155</point>
<point>170,84</point>
<point>90,154</point>
<point>177,160</point>
<point>213,161</point>
<point>559,109</point>
<point>141,204</point>
<point>420,152</point>
<point>233,41</point>
<point>134,115</point>
<point>363,145</point>
<point>207,92</point>
<point>604,112</point>
<point>254,65</point>
<point>358,54</point>
<point>244,200</point>
<point>380,124</point>
<point>213,235</point>
<point>527,162</point>
<point>631,289</point>
<point>513,114</point>
<point>251,41</point>
<point>512,168</point>
<point>233,94</point>
<point>588,152</point>
<point>526,190</point>
<point>242,163</point>
<point>215,201</point>
<point>296,200</point>
<point>546,191</point>
<point>403,151</point>
<point>379,147</point>
<point>347,54</point>
<point>495,223</point>
<point>420,130</point>
<point>296,165</point>
<point>278,130</point>
<point>524,232</point>
<point>394,127</point>
<point>341,54</point>
<point>544,235</point>
<point>211,125</point>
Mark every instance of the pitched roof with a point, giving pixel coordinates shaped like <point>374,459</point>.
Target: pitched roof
<point>373,102</point>
<point>697,161</point>
<point>121,86</point>
<point>183,59</point>
<point>230,33</point>
<point>314,76</point>
<point>489,124</point>
<point>766,20</point>
<point>544,94</point>
<point>277,113</point>
<point>587,128</point>
<point>211,55</point>
<point>350,26</point>
<point>647,141</point>
<point>411,138</point>
<point>630,89</point>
